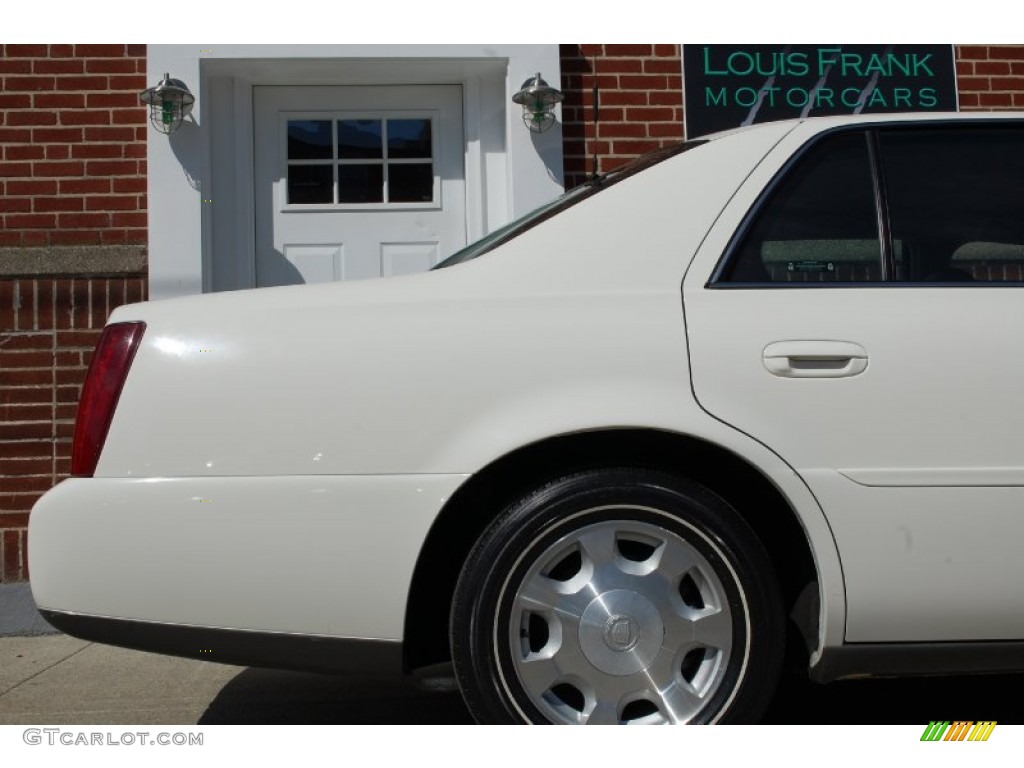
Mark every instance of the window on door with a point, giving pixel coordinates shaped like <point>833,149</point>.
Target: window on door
<point>361,161</point>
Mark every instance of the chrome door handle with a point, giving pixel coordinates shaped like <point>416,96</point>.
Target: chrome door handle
<point>815,359</point>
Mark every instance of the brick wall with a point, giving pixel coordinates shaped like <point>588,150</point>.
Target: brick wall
<point>990,77</point>
<point>72,237</point>
<point>639,100</point>
<point>73,138</point>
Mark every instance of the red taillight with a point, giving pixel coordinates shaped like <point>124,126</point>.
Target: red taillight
<point>103,383</point>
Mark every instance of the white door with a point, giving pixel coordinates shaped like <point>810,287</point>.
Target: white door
<point>355,182</point>
<point>877,349</point>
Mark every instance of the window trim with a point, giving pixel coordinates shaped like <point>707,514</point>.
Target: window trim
<point>872,132</point>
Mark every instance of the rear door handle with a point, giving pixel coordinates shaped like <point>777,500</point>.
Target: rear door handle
<point>815,359</point>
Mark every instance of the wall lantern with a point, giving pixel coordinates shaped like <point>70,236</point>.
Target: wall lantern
<point>538,100</point>
<point>169,103</point>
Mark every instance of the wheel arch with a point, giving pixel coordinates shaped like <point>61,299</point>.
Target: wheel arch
<point>483,496</point>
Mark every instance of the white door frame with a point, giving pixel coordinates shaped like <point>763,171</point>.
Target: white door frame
<point>201,179</point>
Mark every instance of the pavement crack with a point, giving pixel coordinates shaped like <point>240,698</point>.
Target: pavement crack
<point>44,669</point>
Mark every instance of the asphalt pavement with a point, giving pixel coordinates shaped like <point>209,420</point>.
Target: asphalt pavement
<point>50,678</point>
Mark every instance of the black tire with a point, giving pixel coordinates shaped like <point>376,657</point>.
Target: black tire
<point>617,595</point>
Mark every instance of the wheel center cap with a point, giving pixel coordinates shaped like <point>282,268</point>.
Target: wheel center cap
<point>621,632</point>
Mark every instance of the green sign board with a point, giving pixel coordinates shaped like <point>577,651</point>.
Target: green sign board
<point>732,85</point>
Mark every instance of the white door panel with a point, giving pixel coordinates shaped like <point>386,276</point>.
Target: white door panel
<point>339,193</point>
<point>899,406</point>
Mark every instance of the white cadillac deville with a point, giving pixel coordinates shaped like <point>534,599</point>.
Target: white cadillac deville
<point>753,397</point>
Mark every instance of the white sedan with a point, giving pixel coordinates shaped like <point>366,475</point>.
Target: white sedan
<point>751,398</point>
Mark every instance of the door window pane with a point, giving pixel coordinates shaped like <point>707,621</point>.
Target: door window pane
<point>310,140</point>
<point>409,139</point>
<point>360,183</point>
<point>411,183</point>
<point>310,184</point>
<point>956,201</point>
<point>819,225</point>
<point>360,139</point>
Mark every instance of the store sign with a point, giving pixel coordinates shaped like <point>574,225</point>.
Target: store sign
<point>733,85</point>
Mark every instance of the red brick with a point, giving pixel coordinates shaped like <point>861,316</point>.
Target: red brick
<point>110,133</point>
<point>15,51</point>
<point>15,169</point>
<point>15,205</point>
<point>995,100</point>
<point>26,341</point>
<point>41,204</point>
<point>112,203</point>
<point>989,68</point>
<point>965,68</point>
<point>32,238</point>
<point>66,412</point>
<point>673,130</point>
<point>91,49</point>
<point>13,502</point>
<point>20,413</point>
<point>13,520</point>
<point>23,152</point>
<point>86,339</point>
<point>48,169</point>
<point>84,220</point>
<point>973,83</point>
<point>85,117</point>
<point>618,65</point>
<point>621,130</point>
<point>97,100</point>
<point>26,483</point>
<point>29,83</point>
<point>30,221</point>
<point>64,430</point>
<point>625,98</point>
<point>83,186</point>
<point>56,135</point>
<point>650,114</point>
<point>118,66</point>
<point>75,237</point>
<point>667,66</point>
<point>112,168</point>
<point>129,220</point>
<point>58,100</point>
<point>82,83</point>
<point>644,82</point>
<point>628,50</point>
<point>58,152</point>
<point>15,66</point>
<point>95,151</point>
<point>136,50</point>
<point>1014,52</point>
<point>31,430</point>
<point>1008,83</point>
<point>62,51</point>
<point>9,239</point>
<point>135,83</point>
<point>128,116</point>
<point>31,117</point>
<point>12,555</point>
<point>15,100</point>
<point>15,135</point>
<point>666,49</point>
<point>58,67</point>
<point>136,184</point>
<point>68,395</point>
<point>44,303</point>
<point>972,52</point>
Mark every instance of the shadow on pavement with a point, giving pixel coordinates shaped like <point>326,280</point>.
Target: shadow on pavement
<point>260,696</point>
<point>264,696</point>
